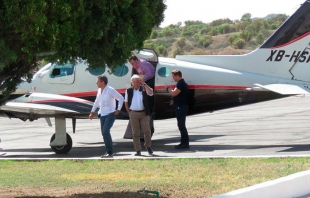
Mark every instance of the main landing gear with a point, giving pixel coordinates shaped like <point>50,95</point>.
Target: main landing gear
<point>61,142</point>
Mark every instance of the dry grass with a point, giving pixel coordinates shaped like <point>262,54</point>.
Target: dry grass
<point>123,178</point>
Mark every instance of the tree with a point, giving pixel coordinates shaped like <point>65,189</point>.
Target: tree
<point>102,32</point>
<point>246,17</point>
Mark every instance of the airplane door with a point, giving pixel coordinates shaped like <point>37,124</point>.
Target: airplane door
<point>62,74</point>
<point>301,70</point>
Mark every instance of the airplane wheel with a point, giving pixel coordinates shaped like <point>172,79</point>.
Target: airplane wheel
<point>62,149</point>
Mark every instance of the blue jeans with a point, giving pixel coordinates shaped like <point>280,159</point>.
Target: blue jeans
<point>180,112</point>
<point>106,124</point>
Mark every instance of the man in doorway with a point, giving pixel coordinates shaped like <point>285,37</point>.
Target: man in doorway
<point>144,68</point>
<point>148,71</point>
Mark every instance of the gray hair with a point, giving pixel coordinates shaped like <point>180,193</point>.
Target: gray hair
<point>134,77</point>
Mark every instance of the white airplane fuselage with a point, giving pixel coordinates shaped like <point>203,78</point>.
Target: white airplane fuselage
<point>210,87</point>
<point>278,68</point>
<point>215,81</point>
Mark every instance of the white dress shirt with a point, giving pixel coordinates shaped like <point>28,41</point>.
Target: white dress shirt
<point>137,100</point>
<point>105,100</point>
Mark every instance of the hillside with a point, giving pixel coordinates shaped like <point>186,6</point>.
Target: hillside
<point>222,36</point>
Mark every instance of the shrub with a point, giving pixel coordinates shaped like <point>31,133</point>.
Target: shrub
<point>260,38</point>
<point>181,42</point>
<point>239,43</point>
<point>154,34</point>
<point>232,38</point>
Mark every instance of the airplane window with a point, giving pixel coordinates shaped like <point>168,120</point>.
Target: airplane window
<point>97,71</point>
<point>121,70</point>
<point>164,72</point>
<point>41,73</point>
<point>61,70</point>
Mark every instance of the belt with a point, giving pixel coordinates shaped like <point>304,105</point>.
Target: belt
<point>137,111</point>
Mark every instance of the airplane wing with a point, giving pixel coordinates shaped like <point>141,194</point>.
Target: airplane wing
<point>37,105</point>
<point>40,105</point>
<point>284,89</point>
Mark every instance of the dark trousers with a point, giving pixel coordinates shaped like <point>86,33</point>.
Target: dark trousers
<point>180,112</point>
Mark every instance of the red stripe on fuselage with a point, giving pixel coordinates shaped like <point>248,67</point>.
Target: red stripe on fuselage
<point>122,90</point>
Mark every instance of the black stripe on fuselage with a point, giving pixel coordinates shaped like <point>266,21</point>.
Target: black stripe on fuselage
<point>74,106</point>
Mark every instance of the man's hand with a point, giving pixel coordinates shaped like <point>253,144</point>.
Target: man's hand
<point>91,115</point>
<point>167,87</point>
<point>141,81</point>
<point>116,112</point>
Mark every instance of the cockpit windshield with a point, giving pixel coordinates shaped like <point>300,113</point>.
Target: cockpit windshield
<point>41,73</point>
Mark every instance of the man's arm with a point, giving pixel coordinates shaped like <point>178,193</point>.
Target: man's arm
<point>174,92</point>
<point>148,70</point>
<point>95,105</point>
<point>126,101</point>
<point>127,107</point>
<point>149,90</point>
<point>118,97</point>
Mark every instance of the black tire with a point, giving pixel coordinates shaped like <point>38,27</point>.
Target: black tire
<point>62,149</point>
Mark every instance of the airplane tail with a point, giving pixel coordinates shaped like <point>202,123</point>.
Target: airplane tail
<point>286,54</point>
<point>293,29</point>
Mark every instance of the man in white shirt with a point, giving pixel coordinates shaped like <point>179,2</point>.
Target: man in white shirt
<point>105,100</point>
<point>138,108</point>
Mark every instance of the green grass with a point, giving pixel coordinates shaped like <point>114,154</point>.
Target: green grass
<point>170,177</point>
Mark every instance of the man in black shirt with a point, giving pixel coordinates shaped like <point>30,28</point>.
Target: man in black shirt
<point>180,105</point>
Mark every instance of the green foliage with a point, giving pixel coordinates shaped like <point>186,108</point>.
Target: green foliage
<point>273,26</point>
<point>203,31</point>
<point>161,51</point>
<point>239,43</point>
<point>101,32</point>
<point>190,23</point>
<point>241,25</point>
<point>205,41</point>
<point>260,38</point>
<point>226,28</point>
<point>232,38</point>
<point>168,32</point>
<point>213,31</point>
<point>246,35</point>
<point>177,51</point>
<point>257,26</point>
<point>181,42</point>
<point>154,34</point>
<point>187,32</point>
<point>220,22</point>
<point>246,17</point>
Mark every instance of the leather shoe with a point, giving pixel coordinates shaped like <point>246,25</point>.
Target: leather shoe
<point>109,154</point>
<point>182,146</point>
<point>138,153</point>
<point>149,150</point>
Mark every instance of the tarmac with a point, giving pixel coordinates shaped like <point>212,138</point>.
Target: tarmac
<point>277,128</point>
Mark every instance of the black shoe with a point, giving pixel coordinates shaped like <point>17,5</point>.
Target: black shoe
<point>182,146</point>
<point>149,150</point>
<point>138,153</point>
<point>108,154</point>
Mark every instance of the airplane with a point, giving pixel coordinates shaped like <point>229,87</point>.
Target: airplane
<point>278,68</point>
